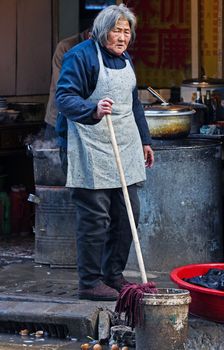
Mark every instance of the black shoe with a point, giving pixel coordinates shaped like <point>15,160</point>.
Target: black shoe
<point>117,283</point>
<point>101,292</point>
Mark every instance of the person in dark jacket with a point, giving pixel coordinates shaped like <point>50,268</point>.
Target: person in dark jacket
<point>97,78</point>
<point>52,110</point>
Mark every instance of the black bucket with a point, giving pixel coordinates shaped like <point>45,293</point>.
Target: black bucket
<point>55,241</point>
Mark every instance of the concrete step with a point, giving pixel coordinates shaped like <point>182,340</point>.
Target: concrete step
<point>38,297</point>
<point>76,319</point>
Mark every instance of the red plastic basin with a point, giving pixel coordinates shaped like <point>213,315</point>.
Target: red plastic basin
<point>206,303</point>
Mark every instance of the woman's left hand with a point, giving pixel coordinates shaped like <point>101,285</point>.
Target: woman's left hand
<point>148,156</point>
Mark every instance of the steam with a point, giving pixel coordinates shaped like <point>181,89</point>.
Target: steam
<point>40,147</point>
<point>40,141</point>
<point>44,145</point>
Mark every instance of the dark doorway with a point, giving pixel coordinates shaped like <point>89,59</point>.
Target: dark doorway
<point>89,10</point>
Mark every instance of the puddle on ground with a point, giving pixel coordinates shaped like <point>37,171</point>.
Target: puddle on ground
<point>17,342</point>
<point>14,342</point>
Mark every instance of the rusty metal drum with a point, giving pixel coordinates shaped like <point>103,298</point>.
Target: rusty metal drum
<point>55,241</point>
<point>181,206</point>
<point>47,167</point>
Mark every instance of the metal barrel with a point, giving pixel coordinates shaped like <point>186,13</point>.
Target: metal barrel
<point>181,206</point>
<point>55,241</point>
<point>165,323</point>
<point>47,167</point>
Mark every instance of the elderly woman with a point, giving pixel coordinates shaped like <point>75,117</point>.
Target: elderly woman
<point>97,78</point>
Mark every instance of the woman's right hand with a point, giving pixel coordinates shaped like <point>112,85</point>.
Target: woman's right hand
<point>104,107</point>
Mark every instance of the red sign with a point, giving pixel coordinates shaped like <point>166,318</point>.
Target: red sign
<point>163,37</point>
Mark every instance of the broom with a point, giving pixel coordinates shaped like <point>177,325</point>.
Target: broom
<point>131,295</point>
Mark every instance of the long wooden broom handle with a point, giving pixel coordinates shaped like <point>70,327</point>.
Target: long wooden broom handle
<point>127,200</point>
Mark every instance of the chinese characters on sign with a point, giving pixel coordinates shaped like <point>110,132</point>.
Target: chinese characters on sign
<point>162,51</point>
<point>209,37</point>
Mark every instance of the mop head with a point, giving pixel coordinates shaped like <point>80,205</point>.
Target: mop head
<point>130,299</point>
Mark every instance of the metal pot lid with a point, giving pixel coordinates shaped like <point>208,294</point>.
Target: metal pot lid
<point>203,83</point>
<point>193,105</point>
<point>168,110</point>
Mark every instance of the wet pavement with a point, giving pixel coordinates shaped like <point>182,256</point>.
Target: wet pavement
<point>38,297</point>
<point>16,342</point>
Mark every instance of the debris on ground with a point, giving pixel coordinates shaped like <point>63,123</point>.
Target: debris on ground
<point>122,335</point>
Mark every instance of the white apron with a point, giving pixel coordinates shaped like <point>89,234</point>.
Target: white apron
<point>91,161</point>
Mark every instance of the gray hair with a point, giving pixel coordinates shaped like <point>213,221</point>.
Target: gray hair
<point>107,19</point>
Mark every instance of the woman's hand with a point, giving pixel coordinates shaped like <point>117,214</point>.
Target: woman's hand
<point>104,107</point>
<point>149,156</point>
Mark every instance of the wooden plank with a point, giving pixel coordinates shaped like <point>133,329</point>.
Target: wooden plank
<point>34,46</point>
<point>8,47</point>
<point>195,46</point>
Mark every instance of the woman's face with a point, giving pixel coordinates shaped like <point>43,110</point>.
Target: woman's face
<point>119,37</point>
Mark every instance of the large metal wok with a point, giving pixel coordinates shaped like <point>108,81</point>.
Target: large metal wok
<point>166,120</point>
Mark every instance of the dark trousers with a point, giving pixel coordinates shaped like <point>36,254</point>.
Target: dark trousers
<point>103,233</point>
